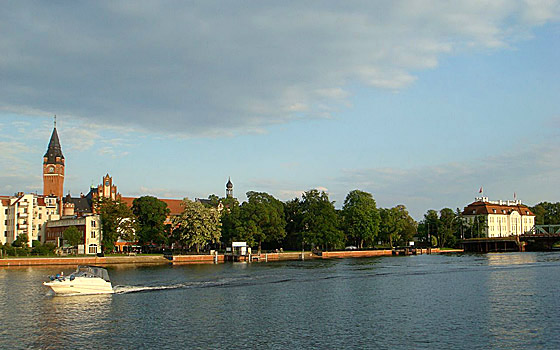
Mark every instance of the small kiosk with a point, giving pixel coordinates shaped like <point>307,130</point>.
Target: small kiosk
<point>238,252</point>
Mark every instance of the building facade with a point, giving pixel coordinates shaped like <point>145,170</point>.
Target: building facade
<point>89,226</point>
<point>26,214</point>
<point>500,218</point>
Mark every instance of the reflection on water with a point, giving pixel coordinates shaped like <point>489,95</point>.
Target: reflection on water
<point>501,259</point>
<point>464,301</point>
<point>67,319</point>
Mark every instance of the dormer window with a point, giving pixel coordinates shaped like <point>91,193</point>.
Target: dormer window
<point>494,210</point>
<point>474,211</point>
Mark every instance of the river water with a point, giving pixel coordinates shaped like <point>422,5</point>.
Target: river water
<point>462,301</point>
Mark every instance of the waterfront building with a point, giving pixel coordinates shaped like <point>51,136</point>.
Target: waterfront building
<point>29,213</point>
<point>89,226</point>
<point>500,218</point>
<point>26,214</point>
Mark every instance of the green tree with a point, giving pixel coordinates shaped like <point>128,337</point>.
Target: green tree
<point>22,240</point>
<point>319,222</point>
<point>214,201</point>
<point>150,215</point>
<point>428,227</point>
<point>397,227</point>
<point>477,227</point>
<point>231,221</point>
<point>262,219</point>
<point>460,226</point>
<point>445,232</point>
<point>116,221</point>
<point>293,212</point>
<point>360,218</point>
<point>197,226</point>
<point>546,213</point>
<point>73,236</point>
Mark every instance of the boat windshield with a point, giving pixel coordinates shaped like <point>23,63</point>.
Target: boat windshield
<point>92,271</point>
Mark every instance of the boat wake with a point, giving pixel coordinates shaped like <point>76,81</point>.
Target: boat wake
<point>187,285</point>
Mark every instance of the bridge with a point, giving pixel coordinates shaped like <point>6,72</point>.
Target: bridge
<point>541,237</point>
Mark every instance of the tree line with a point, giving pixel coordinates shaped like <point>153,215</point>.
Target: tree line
<point>263,221</point>
<point>309,222</point>
<point>267,223</point>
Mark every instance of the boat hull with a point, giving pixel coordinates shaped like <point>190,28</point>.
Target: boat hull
<point>80,286</point>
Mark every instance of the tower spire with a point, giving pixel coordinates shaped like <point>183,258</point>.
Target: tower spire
<point>53,166</point>
<point>229,188</point>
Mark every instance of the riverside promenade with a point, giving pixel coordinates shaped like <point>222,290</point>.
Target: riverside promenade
<point>202,258</point>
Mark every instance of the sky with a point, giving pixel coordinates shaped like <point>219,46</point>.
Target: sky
<point>420,103</point>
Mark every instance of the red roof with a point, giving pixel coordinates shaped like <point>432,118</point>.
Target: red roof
<point>484,208</point>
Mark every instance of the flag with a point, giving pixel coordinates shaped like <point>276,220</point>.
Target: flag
<point>514,196</point>
<point>480,191</point>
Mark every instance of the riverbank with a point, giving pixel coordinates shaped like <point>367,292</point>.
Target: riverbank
<point>94,260</point>
<point>204,258</point>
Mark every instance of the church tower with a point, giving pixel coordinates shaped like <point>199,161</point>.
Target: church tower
<point>229,189</point>
<point>53,167</point>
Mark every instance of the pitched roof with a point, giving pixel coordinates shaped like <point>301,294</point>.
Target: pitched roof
<point>485,208</point>
<point>82,204</point>
<point>54,150</point>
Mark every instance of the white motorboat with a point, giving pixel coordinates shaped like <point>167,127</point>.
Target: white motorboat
<point>86,280</point>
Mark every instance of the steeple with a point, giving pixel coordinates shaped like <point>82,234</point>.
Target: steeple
<point>54,150</point>
<point>53,167</point>
<point>229,189</point>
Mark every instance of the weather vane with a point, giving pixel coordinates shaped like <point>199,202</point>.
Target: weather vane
<point>55,120</point>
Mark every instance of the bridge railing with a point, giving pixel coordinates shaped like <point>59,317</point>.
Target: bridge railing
<point>544,230</point>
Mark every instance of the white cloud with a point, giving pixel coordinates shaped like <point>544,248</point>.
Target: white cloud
<point>212,69</point>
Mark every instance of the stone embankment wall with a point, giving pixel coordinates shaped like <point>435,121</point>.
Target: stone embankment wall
<point>196,259</point>
<point>201,259</point>
<point>108,260</point>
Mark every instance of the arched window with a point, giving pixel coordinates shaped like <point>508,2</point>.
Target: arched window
<point>92,249</point>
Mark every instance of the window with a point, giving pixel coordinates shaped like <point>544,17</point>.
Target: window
<point>92,234</point>
<point>494,210</point>
<point>40,216</point>
<point>92,248</point>
<point>5,233</point>
<point>93,224</point>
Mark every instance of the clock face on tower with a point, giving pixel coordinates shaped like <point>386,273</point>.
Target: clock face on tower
<point>107,183</point>
<point>51,169</point>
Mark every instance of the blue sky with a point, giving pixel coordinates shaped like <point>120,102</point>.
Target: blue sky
<point>418,102</point>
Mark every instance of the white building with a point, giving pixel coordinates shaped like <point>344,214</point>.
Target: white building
<point>89,226</point>
<point>501,218</point>
<point>26,214</point>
